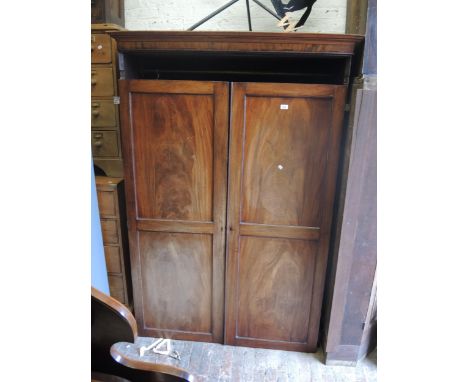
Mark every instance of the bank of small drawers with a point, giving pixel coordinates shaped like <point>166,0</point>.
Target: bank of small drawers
<point>105,133</point>
<point>114,235</point>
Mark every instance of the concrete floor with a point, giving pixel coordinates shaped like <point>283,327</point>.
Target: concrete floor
<point>215,362</point>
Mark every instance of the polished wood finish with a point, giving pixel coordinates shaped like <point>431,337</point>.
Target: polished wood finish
<point>284,147</point>
<point>282,173</point>
<point>177,281</point>
<point>111,201</point>
<point>236,41</point>
<point>105,124</point>
<point>111,323</point>
<point>175,150</point>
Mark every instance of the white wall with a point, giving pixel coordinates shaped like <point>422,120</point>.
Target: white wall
<point>327,16</point>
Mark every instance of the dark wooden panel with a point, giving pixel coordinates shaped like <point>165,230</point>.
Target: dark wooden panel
<point>142,41</point>
<point>285,157</point>
<point>176,281</point>
<point>195,141</point>
<point>173,140</point>
<point>275,288</point>
<point>283,165</point>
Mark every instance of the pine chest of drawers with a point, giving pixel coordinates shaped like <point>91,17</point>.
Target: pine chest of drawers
<point>105,123</point>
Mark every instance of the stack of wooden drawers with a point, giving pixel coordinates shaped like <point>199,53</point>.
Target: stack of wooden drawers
<point>105,125</point>
<point>110,193</point>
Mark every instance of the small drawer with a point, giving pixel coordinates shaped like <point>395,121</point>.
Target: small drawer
<point>104,144</point>
<point>107,201</point>
<point>102,82</point>
<point>103,113</point>
<point>101,48</point>
<point>110,231</point>
<point>113,259</point>
<point>116,288</point>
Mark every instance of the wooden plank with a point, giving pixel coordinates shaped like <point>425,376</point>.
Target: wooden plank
<point>287,232</point>
<point>172,87</point>
<point>357,248</point>
<point>174,226</point>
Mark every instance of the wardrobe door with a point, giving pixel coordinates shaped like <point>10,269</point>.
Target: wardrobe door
<point>175,154</point>
<point>283,157</point>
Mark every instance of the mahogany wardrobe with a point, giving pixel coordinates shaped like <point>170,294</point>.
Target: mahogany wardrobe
<point>231,146</point>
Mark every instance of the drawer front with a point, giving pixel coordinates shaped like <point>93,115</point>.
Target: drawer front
<point>110,231</point>
<point>116,288</point>
<point>107,201</point>
<point>103,113</point>
<point>104,143</point>
<point>111,167</point>
<point>101,48</point>
<point>113,259</point>
<point>102,82</point>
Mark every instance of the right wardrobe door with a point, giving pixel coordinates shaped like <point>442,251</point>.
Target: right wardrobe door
<point>283,159</point>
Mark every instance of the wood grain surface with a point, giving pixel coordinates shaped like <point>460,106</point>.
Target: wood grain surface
<point>177,282</point>
<point>175,150</point>
<point>173,155</point>
<point>284,161</point>
<point>283,155</point>
<point>275,279</point>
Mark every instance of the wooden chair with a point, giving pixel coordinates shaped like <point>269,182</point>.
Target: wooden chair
<point>112,322</point>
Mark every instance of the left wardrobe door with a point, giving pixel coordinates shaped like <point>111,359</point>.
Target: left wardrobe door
<point>174,138</point>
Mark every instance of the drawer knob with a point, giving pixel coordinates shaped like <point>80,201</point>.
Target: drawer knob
<point>95,104</point>
<point>95,113</point>
<point>98,143</point>
<point>93,81</point>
